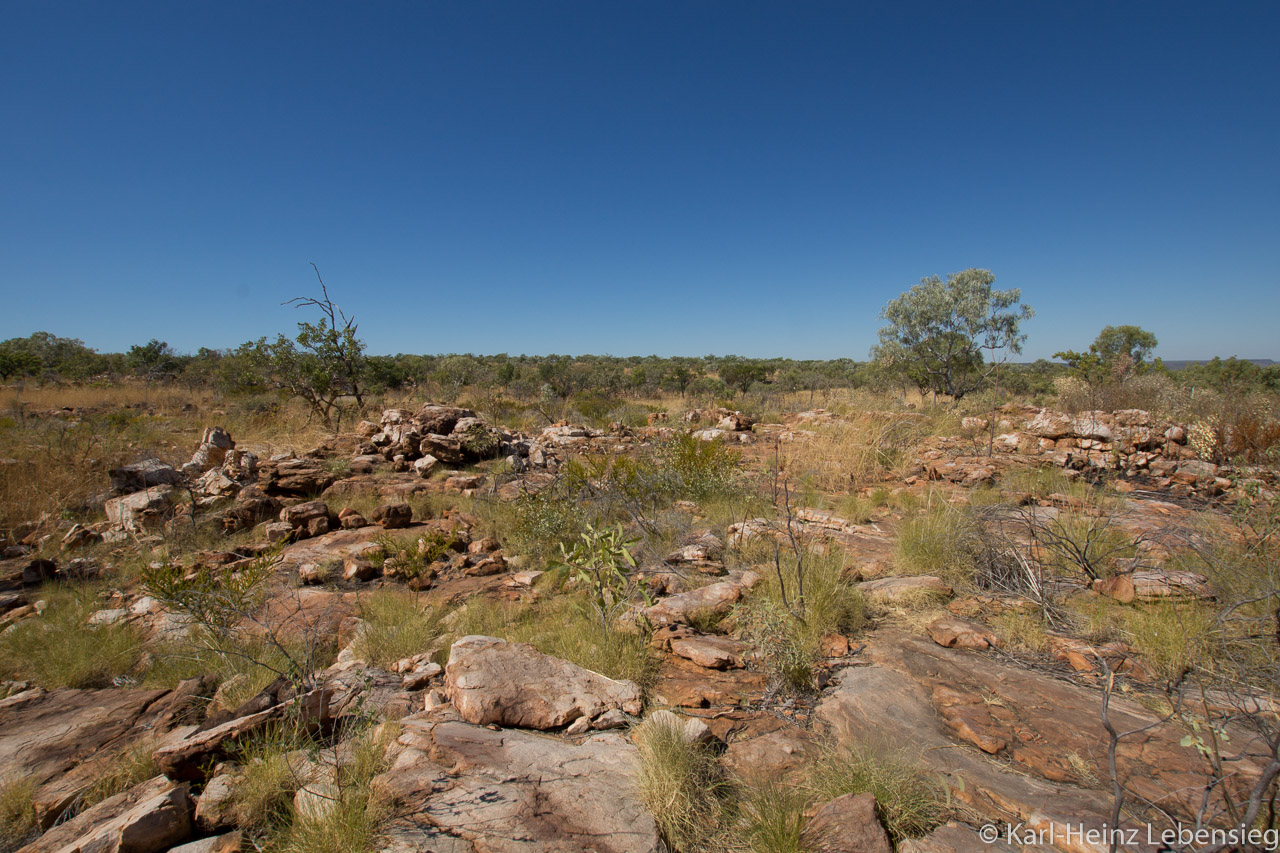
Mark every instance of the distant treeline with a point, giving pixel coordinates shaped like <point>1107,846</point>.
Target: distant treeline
<point>46,358</point>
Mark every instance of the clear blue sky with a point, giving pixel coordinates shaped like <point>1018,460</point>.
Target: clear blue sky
<point>633,178</point>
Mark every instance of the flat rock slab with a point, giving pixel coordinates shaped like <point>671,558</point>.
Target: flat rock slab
<point>955,706</point>
<point>459,788</point>
<point>42,735</point>
<point>683,684</point>
<point>711,601</point>
<point>711,652</point>
<point>492,681</point>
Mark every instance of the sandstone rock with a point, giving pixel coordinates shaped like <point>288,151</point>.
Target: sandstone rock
<point>492,681</point>
<point>426,465</point>
<point>143,475</point>
<point>711,652</point>
<point>915,693</point>
<point>215,809</point>
<point>228,843</point>
<point>393,516</point>
<point>773,755</point>
<point>457,788</point>
<point>847,824</point>
<point>440,420</point>
<point>300,515</point>
<point>462,483</point>
<point>1154,585</point>
<point>954,838</point>
<point>350,519</point>
<point>141,510</point>
<point>954,632</point>
<point>711,601</point>
<point>1049,424</point>
<point>148,818</point>
<point>295,477</point>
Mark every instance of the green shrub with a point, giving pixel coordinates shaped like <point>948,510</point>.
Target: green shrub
<point>697,470</point>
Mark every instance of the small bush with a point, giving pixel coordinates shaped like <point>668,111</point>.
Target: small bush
<point>697,470</point>
<point>910,802</point>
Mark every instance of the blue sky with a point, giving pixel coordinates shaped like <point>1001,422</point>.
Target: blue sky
<point>634,178</point>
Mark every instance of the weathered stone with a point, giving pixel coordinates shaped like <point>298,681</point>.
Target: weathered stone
<point>492,681</point>
<point>141,510</point>
<point>457,788</point>
<point>426,465</point>
<point>711,601</point>
<point>710,651</point>
<point>148,818</point>
<point>143,475</point>
<point>847,824</point>
<point>393,516</point>
<point>215,808</point>
<point>228,843</point>
<point>954,632</point>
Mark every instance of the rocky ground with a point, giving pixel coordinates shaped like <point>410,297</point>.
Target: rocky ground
<point>482,743</point>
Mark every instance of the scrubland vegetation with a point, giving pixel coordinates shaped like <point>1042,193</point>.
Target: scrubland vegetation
<point>840,481</point>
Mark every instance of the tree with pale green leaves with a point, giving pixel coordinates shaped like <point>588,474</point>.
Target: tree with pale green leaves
<point>938,330</point>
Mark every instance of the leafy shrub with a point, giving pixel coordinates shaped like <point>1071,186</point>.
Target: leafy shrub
<point>697,470</point>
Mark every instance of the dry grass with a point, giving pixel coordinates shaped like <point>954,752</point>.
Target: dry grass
<point>680,785</point>
<point>60,648</point>
<point>863,447</point>
<point>910,801</point>
<point>127,768</point>
<point>396,626</point>
<point>565,627</point>
<point>17,815</point>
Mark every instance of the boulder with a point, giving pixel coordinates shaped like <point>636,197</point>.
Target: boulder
<point>300,516</point>
<point>1047,424</point>
<point>148,818</point>
<point>140,510</point>
<point>393,516</point>
<point>711,601</point>
<point>492,681</point>
<point>711,652</point>
<point>143,475</point>
<point>426,465</point>
<point>954,632</point>
<point>847,824</point>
